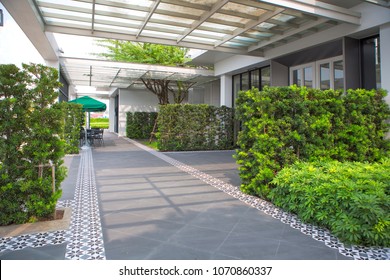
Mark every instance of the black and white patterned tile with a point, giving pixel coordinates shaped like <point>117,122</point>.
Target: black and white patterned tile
<point>322,235</point>
<point>84,236</point>
<point>86,240</point>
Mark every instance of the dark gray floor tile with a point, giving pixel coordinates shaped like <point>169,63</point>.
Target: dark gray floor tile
<point>199,238</point>
<point>124,247</point>
<point>175,252</point>
<point>289,251</point>
<point>48,252</point>
<point>249,247</point>
<point>133,225</point>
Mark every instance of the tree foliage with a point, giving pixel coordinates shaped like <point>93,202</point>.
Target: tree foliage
<point>144,53</point>
<point>30,143</point>
<point>148,53</point>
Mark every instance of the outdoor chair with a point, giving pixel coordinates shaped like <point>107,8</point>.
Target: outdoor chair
<point>90,136</point>
<point>98,136</point>
<point>82,136</point>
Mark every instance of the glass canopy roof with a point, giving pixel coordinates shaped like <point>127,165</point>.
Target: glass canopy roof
<point>249,27</point>
<point>235,26</point>
<point>104,74</point>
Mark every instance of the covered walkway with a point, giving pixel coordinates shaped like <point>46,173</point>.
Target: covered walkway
<point>130,202</point>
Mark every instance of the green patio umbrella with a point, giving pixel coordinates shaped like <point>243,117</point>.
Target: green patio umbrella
<point>90,104</point>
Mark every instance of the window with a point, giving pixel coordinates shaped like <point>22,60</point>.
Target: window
<point>338,68</point>
<point>308,76</point>
<point>265,77</point>
<point>245,81</point>
<point>302,75</point>
<point>323,74</point>
<point>255,78</point>
<point>371,68</point>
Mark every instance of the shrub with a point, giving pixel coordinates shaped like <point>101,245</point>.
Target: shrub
<point>194,127</point>
<point>72,114</point>
<point>139,125</point>
<point>281,125</point>
<point>30,139</point>
<point>351,199</point>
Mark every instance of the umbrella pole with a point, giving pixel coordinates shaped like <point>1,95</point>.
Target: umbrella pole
<point>86,143</point>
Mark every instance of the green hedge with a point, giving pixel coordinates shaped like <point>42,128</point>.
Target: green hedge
<point>139,125</point>
<point>350,199</point>
<point>30,139</point>
<point>281,125</point>
<point>72,120</point>
<point>194,127</point>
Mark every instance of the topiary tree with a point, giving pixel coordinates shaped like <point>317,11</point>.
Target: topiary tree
<point>31,147</point>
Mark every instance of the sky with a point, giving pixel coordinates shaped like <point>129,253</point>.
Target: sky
<point>16,48</point>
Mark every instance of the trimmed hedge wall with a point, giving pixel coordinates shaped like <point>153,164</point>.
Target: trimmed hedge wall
<point>73,118</point>
<point>320,154</point>
<point>139,125</point>
<point>30,140</point>
<point>194,127</point>
<point>281,125</point>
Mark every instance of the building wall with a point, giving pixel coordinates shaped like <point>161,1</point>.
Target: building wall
<point>208,93</point>
<point>385,58</point>
<point>342,39</point>
<point>134,100</point>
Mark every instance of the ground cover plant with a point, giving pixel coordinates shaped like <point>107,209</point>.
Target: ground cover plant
<point>352,199</point>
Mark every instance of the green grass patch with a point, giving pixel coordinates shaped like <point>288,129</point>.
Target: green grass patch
<point>149,144</point>
<point>100,123</point>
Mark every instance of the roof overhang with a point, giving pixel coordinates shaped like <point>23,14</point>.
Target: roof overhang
<point>103,74</point>
<point>245,27</point>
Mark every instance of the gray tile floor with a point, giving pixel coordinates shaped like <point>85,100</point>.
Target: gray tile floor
<point>184,206</point>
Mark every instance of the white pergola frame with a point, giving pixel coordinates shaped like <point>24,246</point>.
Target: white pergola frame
<point>244,27</point>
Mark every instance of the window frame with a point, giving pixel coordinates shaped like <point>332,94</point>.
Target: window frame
<point>316,66</point>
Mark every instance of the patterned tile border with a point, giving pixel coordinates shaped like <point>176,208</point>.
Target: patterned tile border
<point>86,240</point>
<point>84,237</point>
<point>323,235</point>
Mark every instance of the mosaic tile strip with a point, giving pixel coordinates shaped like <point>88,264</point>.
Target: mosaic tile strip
<point>39,239</point>
<point>86,240</point>
<point>84,237</point>
<point>323,235</point>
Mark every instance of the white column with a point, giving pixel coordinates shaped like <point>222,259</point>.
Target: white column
<point>385,58</point>
<point>226,91</point>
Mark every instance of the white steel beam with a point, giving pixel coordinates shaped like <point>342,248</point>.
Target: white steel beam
<point>203,18</point>
<point>120,36</point>
<point>287,34</point>
<point>318,8</point>
<point>382,3</point>
<point>154,7</point>
<point>250,25</point>
<point>69,61</point>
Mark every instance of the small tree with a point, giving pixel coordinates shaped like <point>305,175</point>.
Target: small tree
<point>30,143</point>
<point>152,54</point>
